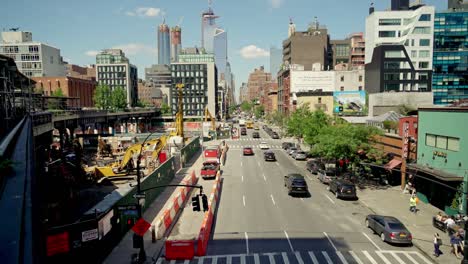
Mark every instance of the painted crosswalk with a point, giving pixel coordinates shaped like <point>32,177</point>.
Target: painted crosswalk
<point>253,146</point>
<point>312,257</point>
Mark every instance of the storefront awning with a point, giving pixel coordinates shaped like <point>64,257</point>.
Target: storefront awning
<point>392,164</point>
<point>439,174</point>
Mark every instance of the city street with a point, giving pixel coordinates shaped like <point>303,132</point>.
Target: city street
<point>257,222</point>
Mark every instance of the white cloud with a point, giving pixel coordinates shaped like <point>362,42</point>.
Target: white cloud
<point>136,48</point>
<point>91,53</point>
<point>145,12</point>
<point>252,52</point>
<point>276,3</point>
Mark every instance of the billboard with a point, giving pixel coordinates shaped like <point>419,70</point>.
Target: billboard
<point>304,81</point>
<point>349,102</point>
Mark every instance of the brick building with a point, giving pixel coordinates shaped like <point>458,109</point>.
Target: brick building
<point>81,89</point>
<point>256,83</point>
<point>147,94</point>
<point>77,71</point>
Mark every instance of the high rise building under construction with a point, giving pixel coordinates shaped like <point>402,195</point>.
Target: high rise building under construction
<point>164,46</point>
<point>176,43</point>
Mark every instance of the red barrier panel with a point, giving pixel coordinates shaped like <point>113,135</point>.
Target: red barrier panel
<point>180,249</point>
<point>167,219</point>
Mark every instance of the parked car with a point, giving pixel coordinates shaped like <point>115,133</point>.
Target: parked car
<point>248,151</point>
<point>291,150</point>
<point>269,155</point>
<point>255,135</point>
<point>389,228</point>
<point>296,184</point>
<point>326,176</point>
<point>300,155</point>
<point>275,135</point>
<point>264,145</point>
<point>313,166</point>
<point>244,131</point>
<point>342,189</point>
<point>286,145</point>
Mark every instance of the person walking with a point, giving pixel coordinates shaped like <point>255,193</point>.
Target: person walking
<point>437,244</point>
<point>413,203</point>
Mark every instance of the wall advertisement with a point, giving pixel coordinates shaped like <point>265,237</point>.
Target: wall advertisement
<point>349,102</point>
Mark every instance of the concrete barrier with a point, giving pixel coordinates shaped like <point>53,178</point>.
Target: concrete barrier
<point>180,249</point>
<point>162,224</point>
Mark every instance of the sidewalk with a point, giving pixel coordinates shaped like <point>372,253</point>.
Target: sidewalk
<point>123,251</point>
<point>392,202</point>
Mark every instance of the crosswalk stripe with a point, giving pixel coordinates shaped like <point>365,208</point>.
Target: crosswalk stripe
<point>342,258</point>
<point>421,257</point>
<point>369,257</point>
<point>380,254</point>
<point>172,262</point>
<point>397,258</point>
<point>160,260</point>
<point>214,260</point>
<point>411,258</point>
<point>299,258</point>
<point>187,261</point>
<point>313,258</point>
<point>229,260</point>
<point>325,255</point>
<point>243,259</point>
<point>256,259</point>
<point>271,258</point>
<point>285,258</point>
<point>355,256</point>
<point>200,260</point>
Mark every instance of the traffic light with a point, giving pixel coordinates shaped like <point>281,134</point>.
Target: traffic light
<point>196,203</point>
<point>205,202</point>
<point>340,108</point>
<point>130,222</point>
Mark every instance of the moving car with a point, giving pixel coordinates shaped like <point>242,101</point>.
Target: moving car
<point>296,184</point>
<point>389,229</point>
<point>342,189</point>
<point>209,169</point>
<point>326,176</point>
<point>256,127</point>
<point>269,155</point>
<point>274,135</point>
<point>291,150</point>
<point>286,145</point>
<point>264,145</point>
<point>256,134</point>
<point>300,155</point>
<point>248,151</point>
<point>243,131</point>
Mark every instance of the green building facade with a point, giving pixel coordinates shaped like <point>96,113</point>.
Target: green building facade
<point>442,157</point>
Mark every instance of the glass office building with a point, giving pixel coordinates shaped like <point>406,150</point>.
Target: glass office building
<point>450,59</point>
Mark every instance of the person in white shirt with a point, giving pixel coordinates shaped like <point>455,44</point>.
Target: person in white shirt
<point>449,222</point>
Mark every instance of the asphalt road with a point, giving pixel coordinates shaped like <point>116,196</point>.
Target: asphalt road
<point>257,222</point>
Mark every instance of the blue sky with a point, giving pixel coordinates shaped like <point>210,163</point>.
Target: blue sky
<point>80,28</point>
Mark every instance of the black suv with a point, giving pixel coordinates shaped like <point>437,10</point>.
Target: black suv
<point>244,131</point>
<point>296,184</point>
<point>342,189</point>
<point>274,135</point>
<point>256,135</point>
<point>269,156</point>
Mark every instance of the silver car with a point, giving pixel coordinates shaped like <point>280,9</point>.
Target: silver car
<point>389,229</point>
<point>291,150</point>
<point>300,155</point>
<point>326,176</point>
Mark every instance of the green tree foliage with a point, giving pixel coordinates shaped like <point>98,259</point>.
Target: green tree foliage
<point>259,111</point>
<point>165,109</point>
<point>56,103</point>
<point>102,97</point>
<point>118,99</point>
<point>246,106</point>
<point>306,124</point>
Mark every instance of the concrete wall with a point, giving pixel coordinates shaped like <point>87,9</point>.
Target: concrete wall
<point>326,103</point>
<point>351,81</point>
<point>380,103</point>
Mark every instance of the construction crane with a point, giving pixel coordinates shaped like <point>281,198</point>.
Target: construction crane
<point>179,122</point>
<point>212,130</point>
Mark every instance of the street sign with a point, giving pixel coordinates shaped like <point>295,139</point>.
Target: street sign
<point>127,207</point>
<point>141,227</point>
<point>139,196</point>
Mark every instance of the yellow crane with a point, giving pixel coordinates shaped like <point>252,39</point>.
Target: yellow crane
<point>179,122</point>
<point>212,120</point>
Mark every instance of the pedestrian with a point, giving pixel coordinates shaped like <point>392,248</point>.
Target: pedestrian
<point>413,204</point>
<point>437,244</point>
<point>455,243</point>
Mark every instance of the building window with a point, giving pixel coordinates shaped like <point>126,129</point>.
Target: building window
<point>443,142</point>
<point>424,54</point>
<point>425,17</point>
<point>391,76</point>
<point>389,22</point>
<point>51,59</point>
<point>453,144</point>
<point>387,34</point>
<point>424,42</point>
<point>423,64</point>
<point>393,54</point>
<point>342,78</point>
<point>360,78</point>
<point>391,65</point>
<point>360,88</point>
<point>342,88</point>
<point>414,54</point>
<point>320,100</point>
<point>422,30</point>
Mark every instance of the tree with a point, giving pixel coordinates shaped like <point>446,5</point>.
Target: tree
<point>246,106</point>
<point>259,111</point>
<point>165,108</point>
<point>102,97</point>
<point>118,99</point>
<point>56,103</point>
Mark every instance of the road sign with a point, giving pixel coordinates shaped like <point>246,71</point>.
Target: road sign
<point>127,207</point>
<point>139,196</point>
<point>141,227</point>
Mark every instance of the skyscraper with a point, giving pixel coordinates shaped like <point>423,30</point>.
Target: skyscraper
<point>176,40</point>
<point>276,56</point>
<point>214,40</point>
<point>208,29</point>
<point>164,48</point>
<point>220,50</point>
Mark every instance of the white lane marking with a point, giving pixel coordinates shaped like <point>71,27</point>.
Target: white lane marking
<point>229,260</point>
<point>421,257</point>
<point>200,260</point>
<point>271,258</point>
<point>285,258</point>
<point>342,258</point>
<point>302,199</point>
<point>264,178</point>
<point>289,241</point>
<point>313,258</point>
<point>380,254</point>
<point>243,199</point>
<point>369,257</point>
<point>277,163</point>
<point>272,199</point>
<point>325,255</point>
<point>258,162</point>
<point>214,260</point>
<point>160,260</point>
<point>241,164</point>
<point>187,261</point>
<point>331,242</point>
<point>356,258</point>
<point>411,258</point>
<point>172,262</point>
<point>246,242</point>
<point>299,258</point>
<point>373,243</point>
<point>256,259</point>
<point>333,202</point>
<point>397,258</point>
<point>242,178</point>
<point>243,259</point>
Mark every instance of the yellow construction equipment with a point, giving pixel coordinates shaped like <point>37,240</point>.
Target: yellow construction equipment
<point>179,122</point>
<point>212,120</point>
